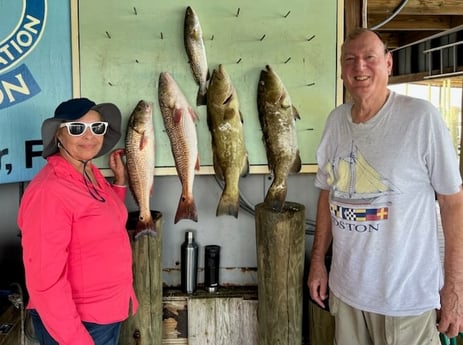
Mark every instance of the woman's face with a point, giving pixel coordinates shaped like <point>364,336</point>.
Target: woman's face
<point>85,146</point>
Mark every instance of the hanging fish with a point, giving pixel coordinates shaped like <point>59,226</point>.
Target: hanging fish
<point>179,121</point>
<point>277,117</point>
<point>139,151</point>
<point>226,126</point>
<point>194,46</point>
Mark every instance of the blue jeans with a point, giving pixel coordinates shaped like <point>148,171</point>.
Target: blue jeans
<point>101,334</point>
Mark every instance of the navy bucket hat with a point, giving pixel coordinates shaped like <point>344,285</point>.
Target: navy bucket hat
<point>74,109</point>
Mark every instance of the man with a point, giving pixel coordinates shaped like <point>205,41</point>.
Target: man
<point>382,160</point>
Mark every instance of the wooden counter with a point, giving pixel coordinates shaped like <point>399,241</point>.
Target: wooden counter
<point>228,316</point>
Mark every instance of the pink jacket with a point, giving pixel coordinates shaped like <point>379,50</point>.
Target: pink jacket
<point>76,252</point>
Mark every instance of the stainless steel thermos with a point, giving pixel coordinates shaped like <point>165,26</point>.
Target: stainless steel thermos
<point>189,263</point>
<point>211,267</point>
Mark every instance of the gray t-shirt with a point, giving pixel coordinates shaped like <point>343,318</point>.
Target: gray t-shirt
<point>382,176</point>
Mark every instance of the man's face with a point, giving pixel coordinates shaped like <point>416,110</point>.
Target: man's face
<point>365,66</point>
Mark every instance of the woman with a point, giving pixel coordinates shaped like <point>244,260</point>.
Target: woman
<point>76,250</point>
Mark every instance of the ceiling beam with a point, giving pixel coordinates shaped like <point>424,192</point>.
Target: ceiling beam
<point>413,23</point>
<point>416,7</point>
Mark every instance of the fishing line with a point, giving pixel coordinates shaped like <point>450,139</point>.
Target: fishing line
<point>87,180</point>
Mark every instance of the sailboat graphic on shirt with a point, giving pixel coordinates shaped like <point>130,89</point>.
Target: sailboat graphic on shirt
<point>353,178</point>
<point>357,190</point>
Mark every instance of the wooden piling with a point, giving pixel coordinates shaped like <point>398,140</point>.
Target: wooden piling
<point>280,269</point>
<point>145,327</point>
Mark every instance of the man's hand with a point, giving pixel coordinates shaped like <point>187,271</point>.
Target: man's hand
<point>318,283</point>
<point>450,316</point>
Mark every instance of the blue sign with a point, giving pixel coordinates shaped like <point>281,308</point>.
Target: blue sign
<point>25,36</point>
<point>35,76</point>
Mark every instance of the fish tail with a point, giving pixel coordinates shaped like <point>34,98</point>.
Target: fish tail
<point>201,97</point>
<point>297,164</point>
<point>186,209</point>
<point>276,196</point>
<point>228,205</point>
<point>145,227</point>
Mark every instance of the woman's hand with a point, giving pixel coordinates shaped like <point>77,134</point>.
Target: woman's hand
<point>117,165</point>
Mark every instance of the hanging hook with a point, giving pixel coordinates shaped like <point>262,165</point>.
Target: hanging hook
<point>162,36</point>
<point>237,12</point>
<point>310,38</point>
<point>262,38</point>
<point>311,84</point>
<point>239,60</point>
<point>287,60</point>
<point>135,10</point>
<point>108,35</point>
<point>287,14</point>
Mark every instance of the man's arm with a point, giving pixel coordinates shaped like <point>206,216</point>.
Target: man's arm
<point>318,275</point>
<point>451,313</point>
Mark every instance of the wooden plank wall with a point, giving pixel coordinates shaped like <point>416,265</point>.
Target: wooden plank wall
<point>222,321</point>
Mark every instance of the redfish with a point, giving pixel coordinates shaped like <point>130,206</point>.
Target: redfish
<point>139,150</point>
<point>180,124</point>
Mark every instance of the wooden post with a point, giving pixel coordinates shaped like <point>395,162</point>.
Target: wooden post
<point>280,270</point>
<point>145,327</point>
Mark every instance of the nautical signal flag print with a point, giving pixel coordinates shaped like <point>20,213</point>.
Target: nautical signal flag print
<point>359,214</point>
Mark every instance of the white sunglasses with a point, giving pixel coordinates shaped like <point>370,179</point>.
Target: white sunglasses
<point>76,129</point>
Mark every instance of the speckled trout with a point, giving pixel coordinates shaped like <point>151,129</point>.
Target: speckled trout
<point>196,51</point>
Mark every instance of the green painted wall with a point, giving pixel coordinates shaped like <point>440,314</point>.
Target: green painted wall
<point>124,45</point>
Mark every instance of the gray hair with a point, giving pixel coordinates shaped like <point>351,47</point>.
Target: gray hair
<point>358,32</point>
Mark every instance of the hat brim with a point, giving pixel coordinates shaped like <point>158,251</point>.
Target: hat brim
<point>108,111</point>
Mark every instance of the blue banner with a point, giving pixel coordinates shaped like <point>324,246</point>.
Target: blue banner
<point>17,86</point>
<point>35,76</point>
<point>25,36</point>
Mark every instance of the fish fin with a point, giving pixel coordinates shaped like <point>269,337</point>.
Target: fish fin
<point>285,101</point>
<point>193,114</point>
<point>270,161</point>
<point>241,117</point>
<point>178,113</point>
<point>145,227</point>
<point>297,164</point>
<point>296,113</point>
<point>201,97</point>
<point>196,34</point>
<point>217,168</point>
<point>186,209</point>
<point>229,114</point>
<point>143,141</point>
<point>245,169</point>
<point>228,205</point>
<point>197,165</point>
